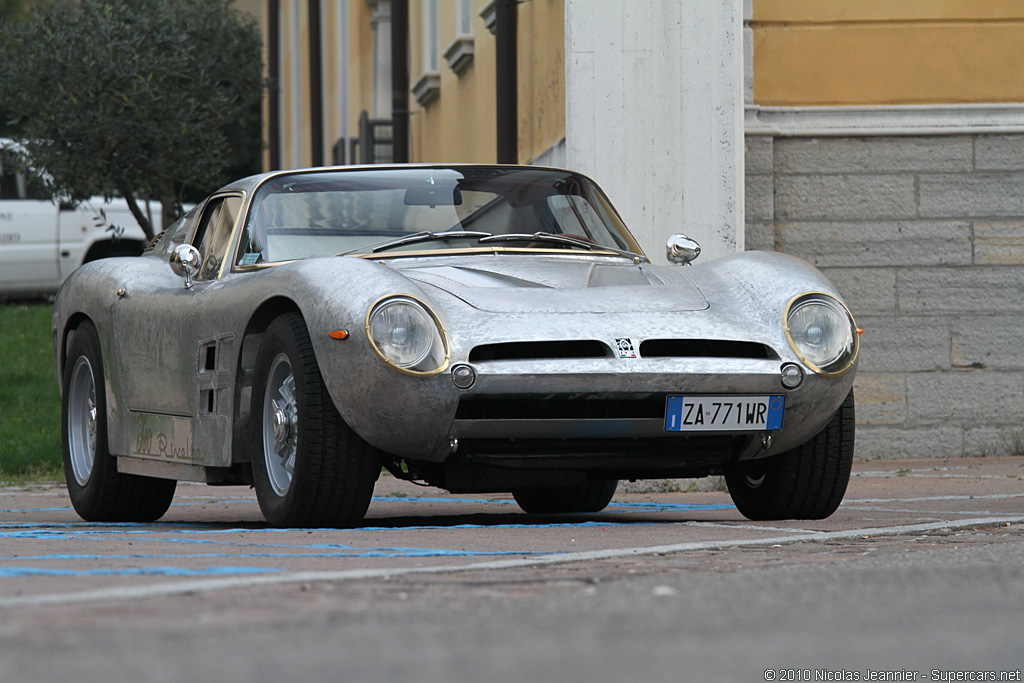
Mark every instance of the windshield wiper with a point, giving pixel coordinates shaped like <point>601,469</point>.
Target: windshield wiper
<point>423,236</point>
<point>539,237</point>
<point>559,239</point>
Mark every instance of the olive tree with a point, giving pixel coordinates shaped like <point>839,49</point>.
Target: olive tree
<point>143,99</point>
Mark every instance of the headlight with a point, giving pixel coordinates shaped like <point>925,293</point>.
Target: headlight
<point>406,335</point>
<point>822,333</point>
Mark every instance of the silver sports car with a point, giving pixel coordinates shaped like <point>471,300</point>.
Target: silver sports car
<point>476,328</point>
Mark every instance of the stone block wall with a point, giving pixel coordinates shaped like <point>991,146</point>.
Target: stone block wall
<point>924,236</point>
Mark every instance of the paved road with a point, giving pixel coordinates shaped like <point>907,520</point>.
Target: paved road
<point>920,569</point>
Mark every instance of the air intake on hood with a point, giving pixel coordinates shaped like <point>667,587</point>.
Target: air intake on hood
<point>705,348</point>
<point>540,350</point>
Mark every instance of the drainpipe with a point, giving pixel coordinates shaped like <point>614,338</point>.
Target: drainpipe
<point>507,83</point>
<point>274,91</point>
<point>400,80</point>
<point>316,84</point>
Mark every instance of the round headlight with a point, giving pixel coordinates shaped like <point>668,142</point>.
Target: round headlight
<point>822,332</point>
<point>405,334</point>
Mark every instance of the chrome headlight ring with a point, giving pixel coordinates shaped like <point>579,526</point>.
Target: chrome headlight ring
<point>407,335</point>
<point>822,333</point>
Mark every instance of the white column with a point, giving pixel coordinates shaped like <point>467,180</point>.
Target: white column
<point>654,114</point>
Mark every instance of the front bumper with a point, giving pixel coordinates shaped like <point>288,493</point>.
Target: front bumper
<point>529,411</point>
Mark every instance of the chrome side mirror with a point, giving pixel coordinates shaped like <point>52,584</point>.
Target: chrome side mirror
<point>185,262</point>
<point>680,250</point>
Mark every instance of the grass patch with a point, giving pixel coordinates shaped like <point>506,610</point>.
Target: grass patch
<point>30,448</point>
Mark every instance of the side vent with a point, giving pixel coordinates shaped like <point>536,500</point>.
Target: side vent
<point>705,348</point>
<point>540,350</point>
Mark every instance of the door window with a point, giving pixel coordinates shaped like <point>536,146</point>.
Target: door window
<point>213,236</point>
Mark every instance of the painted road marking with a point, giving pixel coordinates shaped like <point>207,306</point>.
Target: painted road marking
<point>651,506</point>
<point>127,593</point>
<point>990,496</point>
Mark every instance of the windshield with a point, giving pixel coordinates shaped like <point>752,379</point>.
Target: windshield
<point>323,213</point>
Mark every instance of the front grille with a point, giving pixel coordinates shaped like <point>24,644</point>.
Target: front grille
<point>561,408</point>
<point>705,348</point>
<point>541,350</point>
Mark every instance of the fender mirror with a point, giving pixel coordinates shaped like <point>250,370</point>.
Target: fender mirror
<point>680,250</point>
<point>185,262</point>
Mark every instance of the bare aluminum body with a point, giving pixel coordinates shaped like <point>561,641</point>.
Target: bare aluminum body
<point>178,360</point>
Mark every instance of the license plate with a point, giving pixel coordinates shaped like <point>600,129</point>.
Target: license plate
<point>723,413</point>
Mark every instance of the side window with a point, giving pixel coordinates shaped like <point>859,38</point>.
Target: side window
<point>214,234</point>
<point>8,180</point>
<point>16,184</point>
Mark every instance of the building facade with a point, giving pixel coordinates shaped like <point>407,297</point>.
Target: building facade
<point>884,142</point>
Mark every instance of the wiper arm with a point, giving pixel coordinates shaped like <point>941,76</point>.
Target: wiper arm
<point>560,239</point>
<point>422,236</point>
<point>426,236</point>
<point>540,237</point>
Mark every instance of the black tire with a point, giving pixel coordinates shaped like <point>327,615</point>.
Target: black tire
<point>309,469</point>
<point>99,493</point>
<point>807,482</point>
<point>593,496</point>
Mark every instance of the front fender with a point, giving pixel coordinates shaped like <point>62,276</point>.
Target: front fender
<point>404,415</point>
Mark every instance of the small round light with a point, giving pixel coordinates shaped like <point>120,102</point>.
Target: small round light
<point>463,376</point>
<point>792,375</point>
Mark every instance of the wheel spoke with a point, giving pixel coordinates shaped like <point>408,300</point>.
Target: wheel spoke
<point>288,389</point>
<point>280,425</point>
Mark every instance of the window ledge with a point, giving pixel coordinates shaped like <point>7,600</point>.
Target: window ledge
<point>427,89</point>
<point>460,54</point>
<point>488,15</point>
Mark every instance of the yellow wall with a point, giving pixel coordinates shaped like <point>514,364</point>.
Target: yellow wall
<point>873,52</point>
<point>541,69</point>
<point>460,124</point>
<point>360,69</point>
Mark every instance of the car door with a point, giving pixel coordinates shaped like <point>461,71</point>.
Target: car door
<point>164,362</point>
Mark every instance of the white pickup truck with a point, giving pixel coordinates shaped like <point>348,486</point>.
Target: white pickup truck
<point>42,241</point>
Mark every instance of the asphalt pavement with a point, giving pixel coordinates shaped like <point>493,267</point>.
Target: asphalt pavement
<point>918,572</point>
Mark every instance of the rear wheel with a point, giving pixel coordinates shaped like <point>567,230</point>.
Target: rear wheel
<point>807,482</point>
<point>593,496</point>
<point>311,470</point>
<point>99,493</point>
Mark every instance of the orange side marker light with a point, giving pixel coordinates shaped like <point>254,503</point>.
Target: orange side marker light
<point>338,334</point>
<point>860,331</point>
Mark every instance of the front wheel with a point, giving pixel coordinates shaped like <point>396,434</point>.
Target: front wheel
<point>806,482</point>
<point>311,469</point>
<point>99,493</point>
<point>593,496</point>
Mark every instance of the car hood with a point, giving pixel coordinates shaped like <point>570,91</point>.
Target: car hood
<point>558,285</point>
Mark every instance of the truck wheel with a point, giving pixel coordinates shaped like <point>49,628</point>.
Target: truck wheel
<point>99,493</point>
<point>311,469</point>
<point>593,496</point>
<point>807,482</point>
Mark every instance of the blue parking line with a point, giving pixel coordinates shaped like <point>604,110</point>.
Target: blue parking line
<point>354,553</point>
<point>21,572</point>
